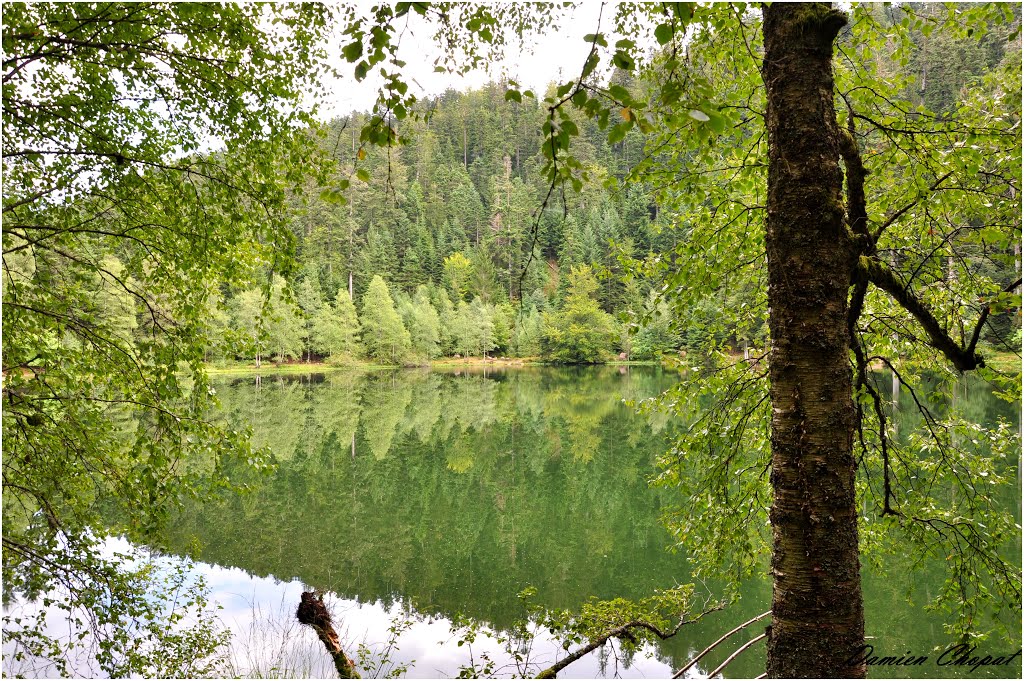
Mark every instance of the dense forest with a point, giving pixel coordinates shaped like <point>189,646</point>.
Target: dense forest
<point>449,242</point>
<point>472,259</point>
<point>444,250</point>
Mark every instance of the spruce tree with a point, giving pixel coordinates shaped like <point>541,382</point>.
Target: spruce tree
<point>424,325</point>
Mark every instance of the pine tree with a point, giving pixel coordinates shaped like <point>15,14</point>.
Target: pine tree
<point>247,325</point>
<point>311,300</point>
<point>446,313</point>
<point>502,318</point>
<point>285,326</point>
<point>483,314</point>
<point>526,339</point>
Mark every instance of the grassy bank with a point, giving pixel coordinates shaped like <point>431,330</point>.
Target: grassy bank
<point>1008,362</point>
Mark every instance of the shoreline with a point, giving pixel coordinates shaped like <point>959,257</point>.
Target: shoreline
<point>1002,361</point>
<point>444,363</point>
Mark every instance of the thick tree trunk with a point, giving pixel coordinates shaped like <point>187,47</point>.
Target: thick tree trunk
<point>817,608</point>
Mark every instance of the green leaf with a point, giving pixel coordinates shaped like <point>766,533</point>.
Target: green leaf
<point>353,51</point>
<point>618,132</point>
<point>683,10</point>
<point>513,96</point>
<point>663,32</point>
<point>362,174</point>
<point>622,60</point>
<point>619,93</point>
<point>716,122</point>
<point>699,115</point>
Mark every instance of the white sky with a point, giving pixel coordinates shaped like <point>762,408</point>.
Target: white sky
<point>545,58</point>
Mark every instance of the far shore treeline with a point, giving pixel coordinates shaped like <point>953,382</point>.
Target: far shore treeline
<point>443,248</point>
<point>446,245</point>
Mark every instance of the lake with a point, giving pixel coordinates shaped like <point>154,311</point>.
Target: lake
<point>415,497</point>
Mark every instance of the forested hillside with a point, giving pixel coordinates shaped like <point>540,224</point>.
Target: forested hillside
<point>474,261</point>
<point>477,257</point>
<point>469,263</point>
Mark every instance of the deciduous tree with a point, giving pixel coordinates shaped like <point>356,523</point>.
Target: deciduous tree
<point>130,129</point>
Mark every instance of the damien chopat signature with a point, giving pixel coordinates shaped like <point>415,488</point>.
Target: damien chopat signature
<point>960,655</point>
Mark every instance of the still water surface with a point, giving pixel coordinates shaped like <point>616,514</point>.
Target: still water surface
<point>422,495</point>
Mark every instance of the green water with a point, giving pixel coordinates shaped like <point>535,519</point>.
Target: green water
<point>452,491</point>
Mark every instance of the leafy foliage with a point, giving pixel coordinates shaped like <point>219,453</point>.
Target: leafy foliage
<point>120,218</point>
<point>122,615</point>
<point>580,332</point>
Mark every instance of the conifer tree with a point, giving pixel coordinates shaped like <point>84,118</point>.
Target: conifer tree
<point>247,325</point>
<point>446,313</point>
<point>384,337</point>
<point>285,326</point>
<point>336,329</point>
<point>311,300</point>
<point>424,325</point>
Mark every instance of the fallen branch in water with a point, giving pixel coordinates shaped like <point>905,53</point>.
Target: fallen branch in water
<point>620,632</point>
<point>313,612</point>
<point>679,674</point>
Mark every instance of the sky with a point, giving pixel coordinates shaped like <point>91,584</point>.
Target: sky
<point>546,58</point>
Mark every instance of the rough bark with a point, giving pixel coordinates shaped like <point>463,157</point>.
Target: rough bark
<point>817,607</point>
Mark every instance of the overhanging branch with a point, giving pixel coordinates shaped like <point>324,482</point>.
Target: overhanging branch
<point>620,632</point>
<point>964,359</point>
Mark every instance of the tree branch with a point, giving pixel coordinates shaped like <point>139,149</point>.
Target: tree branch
<point>856,203</point>
<point>896,216</point>
<point>964,359</point>
<point>985,312</point>
<point>620,632</point>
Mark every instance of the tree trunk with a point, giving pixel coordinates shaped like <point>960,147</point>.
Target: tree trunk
<point>817,607</point>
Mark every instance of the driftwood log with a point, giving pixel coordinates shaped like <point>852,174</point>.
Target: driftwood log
<point>313,612</point>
